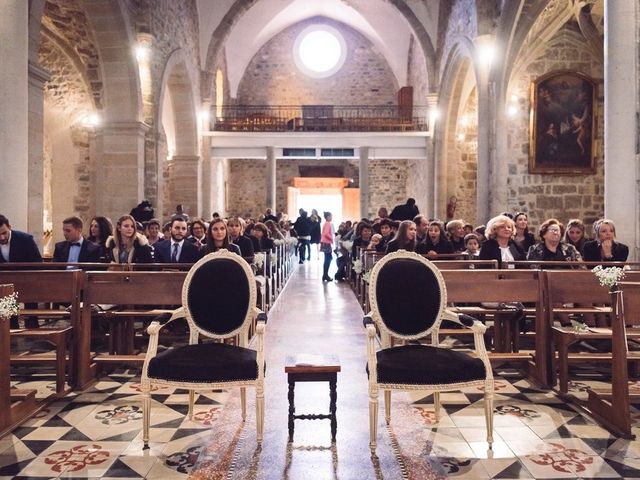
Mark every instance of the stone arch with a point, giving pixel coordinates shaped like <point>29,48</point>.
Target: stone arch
<point>240,7</point>
<point>458,82</point>
<point>115,40</point>
<point>176,83</point>
<point>177,149</point>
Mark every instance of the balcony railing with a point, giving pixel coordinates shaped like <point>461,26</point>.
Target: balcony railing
<point>322,118</point>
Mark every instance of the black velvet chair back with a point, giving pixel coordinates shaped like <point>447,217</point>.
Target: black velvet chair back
<point>407,294</point>
<point>218,293</point>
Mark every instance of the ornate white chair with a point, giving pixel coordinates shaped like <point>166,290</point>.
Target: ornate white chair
<point>218,301</point>
<point>408,300</point>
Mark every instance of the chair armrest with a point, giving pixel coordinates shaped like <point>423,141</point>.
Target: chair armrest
<point>367,320</point>
<point>466,321</point>
<point>261,317</point>
<point>164,319</point>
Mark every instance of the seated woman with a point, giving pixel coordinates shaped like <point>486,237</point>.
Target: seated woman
<point>153,231</point>
<point>99,230</point>
<point>218,238</point>
<point>604,248</point>
<point>235,227</point>
<point>436,241</point>
<point>499,244</point>
<point>551,247</point>
<point>126,245</point>
<point>523,237</point>
<point>198,231</point>
<point>405,239</point>
<point>574,235</point>
<point>456,233</point>
<point>261,232</point>
<point>274,231</point>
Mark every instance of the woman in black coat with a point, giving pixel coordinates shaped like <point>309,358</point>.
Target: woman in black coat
<point>604,248</point>
<point>499,244</point>
<point>405,239</point>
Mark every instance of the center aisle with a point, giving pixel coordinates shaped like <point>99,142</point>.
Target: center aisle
<point>314,317</point>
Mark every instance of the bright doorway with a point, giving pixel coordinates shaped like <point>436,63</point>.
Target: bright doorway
<point>322,203</point>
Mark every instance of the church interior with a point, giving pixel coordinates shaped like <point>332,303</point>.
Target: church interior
<point>424,127</point>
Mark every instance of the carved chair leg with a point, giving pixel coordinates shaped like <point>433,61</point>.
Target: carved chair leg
<point>387,406</point>
<point>488,411</point>
<point>191,402</point>
<point>259,412</point>
<point>373,418</point>
<point>146,413</point>
<point>243,402</point>
<point>436,405</point>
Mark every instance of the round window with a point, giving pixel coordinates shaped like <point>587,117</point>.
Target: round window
<point>319,51</point>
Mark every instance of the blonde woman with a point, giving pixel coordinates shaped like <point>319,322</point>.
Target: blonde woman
<point>499,244</point>
<point>127,245</point>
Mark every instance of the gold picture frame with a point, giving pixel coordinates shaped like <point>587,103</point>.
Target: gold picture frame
<point>563,123</point>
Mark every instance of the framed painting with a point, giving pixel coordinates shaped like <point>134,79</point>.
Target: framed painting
<point>563,124</point>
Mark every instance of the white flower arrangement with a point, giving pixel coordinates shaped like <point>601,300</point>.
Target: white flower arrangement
<point>357,266</point>
<point>292,241</point>
<point>278,242</point>
<point>9,306</point>
<point>608,277</point>
<point>258,260</point>
<point>347,244</point>
<point>274,258</point>
<point>366,277</point>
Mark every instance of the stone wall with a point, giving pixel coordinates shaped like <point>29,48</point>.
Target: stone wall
<point>387,184</point>
<point>272,77</point>
<point>466,168</point>
<point>247,184</point>
<point>554,195</point>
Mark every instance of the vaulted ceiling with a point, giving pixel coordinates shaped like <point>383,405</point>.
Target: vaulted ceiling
<point>246,30</point>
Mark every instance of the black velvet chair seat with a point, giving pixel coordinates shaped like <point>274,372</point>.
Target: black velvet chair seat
<point>207,363</point>
<point>426,365</point>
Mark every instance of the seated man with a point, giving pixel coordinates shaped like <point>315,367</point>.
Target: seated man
<point>16,246</point>
<point>176,249</point>
<point>75,248</point>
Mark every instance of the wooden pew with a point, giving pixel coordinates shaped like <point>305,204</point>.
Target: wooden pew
<point>50,287</point>
<point>501,286</point>
<point>611,407</point>
<point>564,290</point>
<point>140,293</point>
<point>15,405</point>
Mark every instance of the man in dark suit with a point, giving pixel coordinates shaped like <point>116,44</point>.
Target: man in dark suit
<point>75,248</point>
<point>18,246</point>
<point>176,249</point>
<point>406,211</point>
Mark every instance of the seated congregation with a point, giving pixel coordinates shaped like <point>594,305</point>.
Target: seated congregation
<point>424,286</point>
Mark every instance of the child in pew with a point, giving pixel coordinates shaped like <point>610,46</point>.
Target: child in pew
<point>374,242</point>
<point>472,246</point>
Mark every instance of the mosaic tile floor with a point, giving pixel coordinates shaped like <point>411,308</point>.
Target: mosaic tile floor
<point>97,433</point>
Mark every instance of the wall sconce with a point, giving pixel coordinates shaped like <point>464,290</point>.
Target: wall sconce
<point>486,50</point>
<point>143,52</point>
<point>89,120</point>
<point>512,106</point>
<point>466,130</point>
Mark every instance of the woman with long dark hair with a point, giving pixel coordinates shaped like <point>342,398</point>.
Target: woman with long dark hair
<point>100,229</point>
<point>405,239</point>
<point>218,237</point>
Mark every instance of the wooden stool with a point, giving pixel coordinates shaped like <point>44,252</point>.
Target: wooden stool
<point>313,368</point>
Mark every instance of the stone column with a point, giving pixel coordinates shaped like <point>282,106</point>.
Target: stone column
<point>485,119</point>
<point>208,178</point>
<point>430,164</point>
<point>185,172</point>
<point>37,79</point>
<point>119,176</point>
<point>271,179</point>
<point>14,124</point>
<point>621,175</point>
<point>363,180</point>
